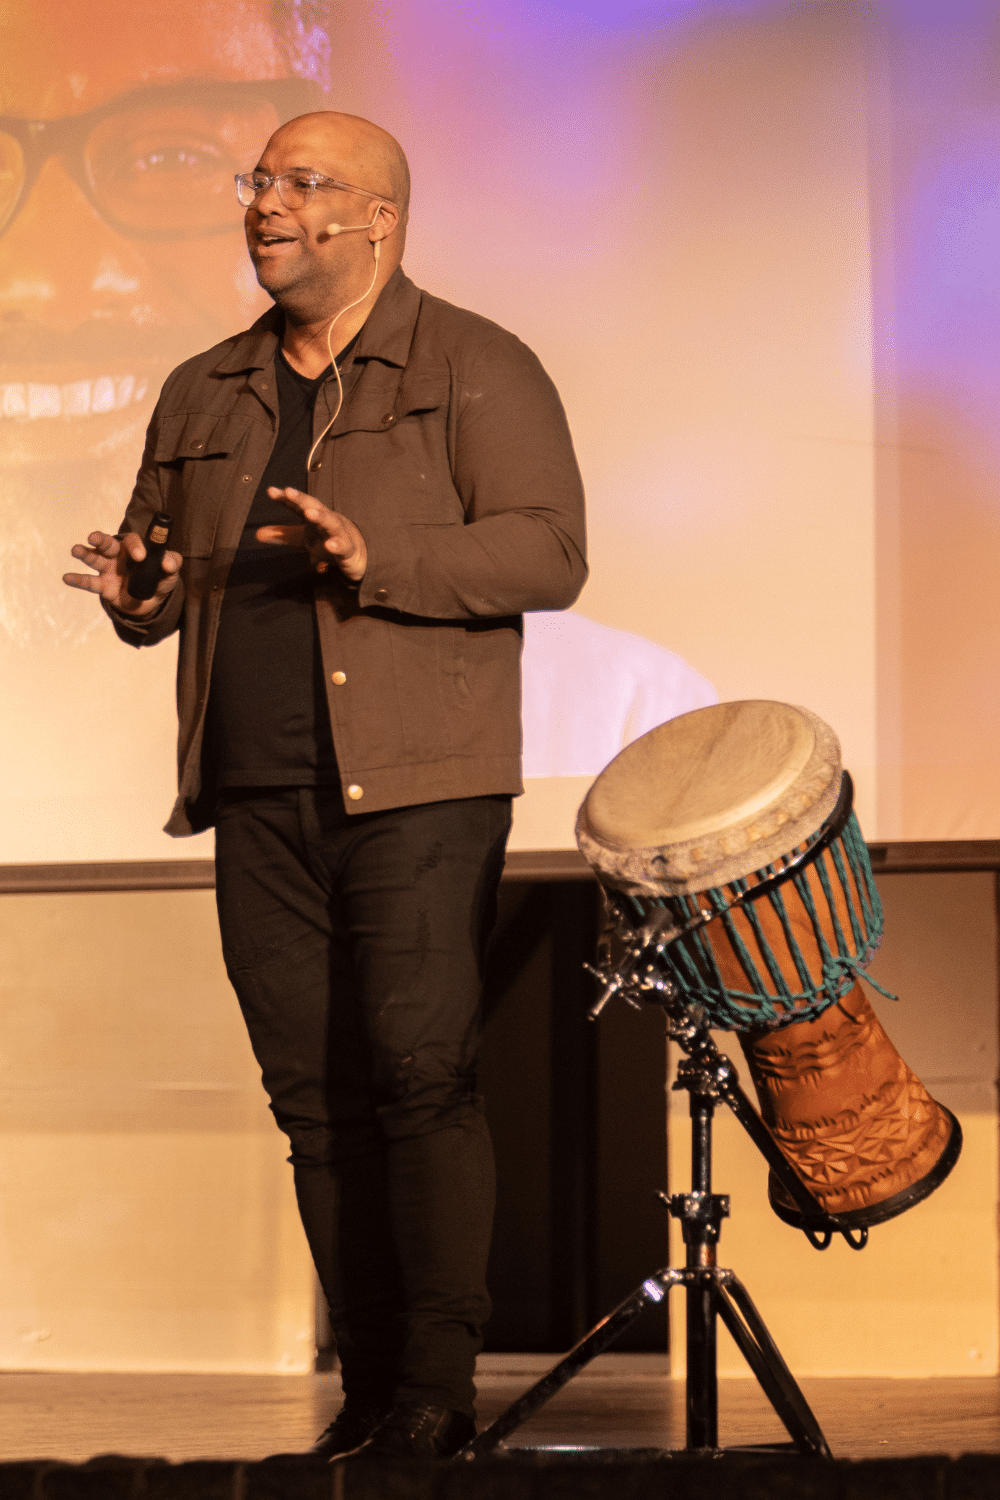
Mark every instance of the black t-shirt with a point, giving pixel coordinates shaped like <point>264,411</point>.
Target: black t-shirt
<point>267,721</point>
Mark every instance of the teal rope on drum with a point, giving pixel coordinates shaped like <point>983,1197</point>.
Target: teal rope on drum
<point>843,874</point>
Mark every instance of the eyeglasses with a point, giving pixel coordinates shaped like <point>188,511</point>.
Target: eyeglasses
<point>156,164</point>
<point>295,189</point>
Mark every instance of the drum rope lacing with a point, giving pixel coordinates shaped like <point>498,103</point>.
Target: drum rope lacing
<point>756,1006</point>
<point>686,954</point>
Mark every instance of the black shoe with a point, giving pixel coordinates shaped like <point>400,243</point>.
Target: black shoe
<point>421,1432</point>
<point>349,1431</point>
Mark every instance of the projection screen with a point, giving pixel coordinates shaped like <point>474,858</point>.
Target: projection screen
<point>749,241</point>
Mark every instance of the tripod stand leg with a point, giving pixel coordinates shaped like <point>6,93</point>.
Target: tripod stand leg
<point>761,1353</point>
<point>601,1337</point>
<point>702,1379</point>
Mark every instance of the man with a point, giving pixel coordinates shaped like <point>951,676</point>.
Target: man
<point>348,701</point>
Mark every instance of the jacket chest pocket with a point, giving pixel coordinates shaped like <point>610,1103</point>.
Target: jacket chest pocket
<point>199,454</point>
<point>402,472</point>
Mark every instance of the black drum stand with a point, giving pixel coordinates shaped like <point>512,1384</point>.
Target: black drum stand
<point>711,1291</point>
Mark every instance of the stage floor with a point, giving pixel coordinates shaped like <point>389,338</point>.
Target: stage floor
<point>621,1401</point>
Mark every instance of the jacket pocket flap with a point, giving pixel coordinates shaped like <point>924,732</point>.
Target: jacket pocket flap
<point>423,394</point>
<point>196,435</point>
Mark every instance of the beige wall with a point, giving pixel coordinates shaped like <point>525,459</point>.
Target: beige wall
<point>922,1299</point>
<point>147,1219</point>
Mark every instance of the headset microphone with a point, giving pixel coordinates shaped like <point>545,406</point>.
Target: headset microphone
<point>349,228</point>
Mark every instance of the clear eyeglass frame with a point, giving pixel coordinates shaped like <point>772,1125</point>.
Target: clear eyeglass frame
<point>295,189</point>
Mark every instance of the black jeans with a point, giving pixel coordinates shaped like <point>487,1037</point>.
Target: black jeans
<point>356,948</point>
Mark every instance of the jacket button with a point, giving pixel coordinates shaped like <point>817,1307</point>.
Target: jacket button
<point>355,792</point>
<point>389,417</point>
<point>197,445</point>
<point>382,595</point>
<point>317,465</point>
<point>339,678</point>
<point>247,478</point>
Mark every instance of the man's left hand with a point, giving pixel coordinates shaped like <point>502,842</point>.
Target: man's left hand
<point>326,535</point>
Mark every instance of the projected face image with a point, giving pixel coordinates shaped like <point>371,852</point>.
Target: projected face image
<point>121,242</point>
<point>120,239</point>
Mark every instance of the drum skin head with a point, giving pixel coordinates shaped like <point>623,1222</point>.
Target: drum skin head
<point>710,797</point>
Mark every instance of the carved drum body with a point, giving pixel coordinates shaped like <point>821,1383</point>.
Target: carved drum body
<point>729,832</point>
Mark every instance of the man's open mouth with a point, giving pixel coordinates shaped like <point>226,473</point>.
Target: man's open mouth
<point>267,238</point>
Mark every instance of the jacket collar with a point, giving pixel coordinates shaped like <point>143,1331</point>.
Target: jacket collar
<point>388,331</point>
<point>386,334</point>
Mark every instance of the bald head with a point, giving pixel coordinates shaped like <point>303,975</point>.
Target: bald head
<point>320,256</point>
<point>352,150</point>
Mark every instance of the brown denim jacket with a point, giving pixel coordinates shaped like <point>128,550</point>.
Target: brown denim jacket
<point>453,457</point>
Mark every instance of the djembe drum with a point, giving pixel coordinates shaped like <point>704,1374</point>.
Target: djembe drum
<point>727,837</point>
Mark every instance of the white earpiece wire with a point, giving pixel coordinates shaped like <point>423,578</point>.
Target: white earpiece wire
<point>329,345</point>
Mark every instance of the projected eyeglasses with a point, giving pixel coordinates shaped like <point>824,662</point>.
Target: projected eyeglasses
<point>158,163</point>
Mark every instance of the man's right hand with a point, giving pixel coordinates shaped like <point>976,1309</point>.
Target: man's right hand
<point>109,556</point>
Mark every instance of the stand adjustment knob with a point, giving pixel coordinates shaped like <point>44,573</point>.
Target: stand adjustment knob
<point>699,1208</point>
<point>701,1215</point>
